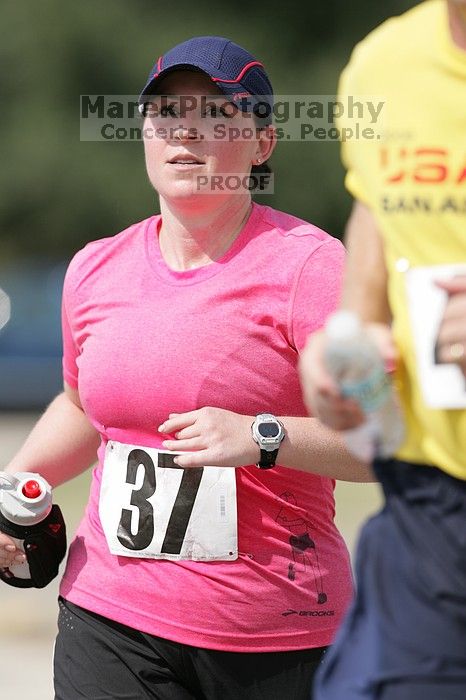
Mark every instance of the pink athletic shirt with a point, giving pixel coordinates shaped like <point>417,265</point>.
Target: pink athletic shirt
<point>142,341</point>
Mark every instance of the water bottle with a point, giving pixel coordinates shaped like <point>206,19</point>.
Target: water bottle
<point>357,367</point>
<point>36,526</point>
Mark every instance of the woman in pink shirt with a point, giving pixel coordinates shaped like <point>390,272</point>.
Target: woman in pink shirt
<point>206,565</point>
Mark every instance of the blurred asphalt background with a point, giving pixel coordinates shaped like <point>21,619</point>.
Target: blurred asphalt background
<point>28,617</point>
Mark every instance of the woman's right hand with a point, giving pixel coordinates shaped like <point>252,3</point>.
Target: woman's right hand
<point>10,554</point>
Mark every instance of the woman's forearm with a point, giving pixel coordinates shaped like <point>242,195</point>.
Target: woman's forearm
<point>62,444</point>
<point>212,435</point>
<point>312,447</point>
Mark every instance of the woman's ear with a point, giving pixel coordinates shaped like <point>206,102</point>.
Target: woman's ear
<point>266,144</point>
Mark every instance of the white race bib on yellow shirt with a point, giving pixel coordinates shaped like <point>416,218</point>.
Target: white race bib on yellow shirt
<point>443,385</point>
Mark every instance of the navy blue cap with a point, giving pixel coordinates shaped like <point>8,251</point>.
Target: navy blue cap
<point>233,69</point>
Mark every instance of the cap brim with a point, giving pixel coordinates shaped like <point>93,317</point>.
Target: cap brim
<point>150,88</point>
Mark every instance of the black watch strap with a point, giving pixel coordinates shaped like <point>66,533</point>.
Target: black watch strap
<point>267,460</point>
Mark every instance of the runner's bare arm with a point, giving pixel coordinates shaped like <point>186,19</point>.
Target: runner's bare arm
<point>365,285</point>
<point>216,436</point>
<point>62,444</point>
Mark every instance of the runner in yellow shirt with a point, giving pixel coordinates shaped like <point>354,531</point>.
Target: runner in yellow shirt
<point>405,635</point>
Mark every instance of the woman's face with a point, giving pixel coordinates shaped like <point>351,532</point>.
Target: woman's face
<point>194,138</point>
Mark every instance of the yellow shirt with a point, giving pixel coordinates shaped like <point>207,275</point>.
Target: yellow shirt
<point>414,180</point>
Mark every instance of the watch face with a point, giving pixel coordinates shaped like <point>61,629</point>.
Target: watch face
<point>268,430</point>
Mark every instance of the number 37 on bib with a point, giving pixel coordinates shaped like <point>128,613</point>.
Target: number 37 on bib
<point>150,508</point>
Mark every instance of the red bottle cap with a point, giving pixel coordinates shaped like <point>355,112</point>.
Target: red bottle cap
<point>31,489</point>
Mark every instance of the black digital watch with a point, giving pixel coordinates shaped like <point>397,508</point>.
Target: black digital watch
<point>268,432</point>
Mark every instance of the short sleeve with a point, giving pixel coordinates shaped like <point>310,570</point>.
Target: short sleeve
<point>351,149</point>
<point>317,291</point>
<point>70,349</point>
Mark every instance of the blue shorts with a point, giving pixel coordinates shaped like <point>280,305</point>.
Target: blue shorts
<point>405,634</point>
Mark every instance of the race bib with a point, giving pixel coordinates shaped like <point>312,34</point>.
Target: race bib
<point>443,385</point>
<point>151,508</point>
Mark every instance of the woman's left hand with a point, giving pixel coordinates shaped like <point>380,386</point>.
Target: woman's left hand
<point>211,437</point>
